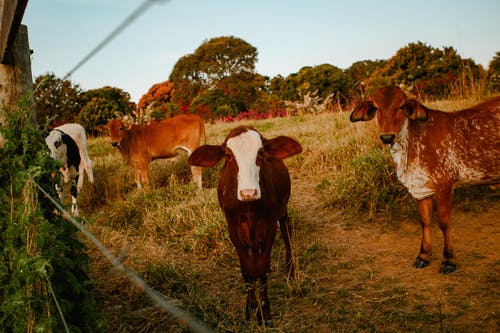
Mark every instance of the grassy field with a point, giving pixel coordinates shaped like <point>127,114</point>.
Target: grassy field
<point>356,233</point>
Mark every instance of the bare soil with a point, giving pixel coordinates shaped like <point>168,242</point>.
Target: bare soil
<point>368,282</point>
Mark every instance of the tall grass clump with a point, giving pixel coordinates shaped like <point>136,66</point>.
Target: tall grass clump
<point>43,264</point>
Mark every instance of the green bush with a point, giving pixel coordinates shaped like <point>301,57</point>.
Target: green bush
<point>41,257</point>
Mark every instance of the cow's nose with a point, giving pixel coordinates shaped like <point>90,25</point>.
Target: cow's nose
<point>388,138</point>
<point>248,195</point>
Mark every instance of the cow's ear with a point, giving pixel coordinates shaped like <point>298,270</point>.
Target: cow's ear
<point>282,147</point>
<point>364,111</point>
<point>414,110</point>
<point>206,156</point>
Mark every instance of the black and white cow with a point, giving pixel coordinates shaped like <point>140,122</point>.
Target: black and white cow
<point>68,145</point>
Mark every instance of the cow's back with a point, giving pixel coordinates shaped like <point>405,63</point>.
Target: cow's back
<point>161,139</point>
<point>164,137</point>
<point>462,145</point>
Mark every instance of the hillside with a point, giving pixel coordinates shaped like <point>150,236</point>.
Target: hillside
<point>354,247</point>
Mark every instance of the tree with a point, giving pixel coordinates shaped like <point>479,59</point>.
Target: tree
<point>426,69</point>
<point>57,101</point>
<point>320,81</point>
<point>360,72</point>
<point>494,73</point>
<point>226,64</point>
<point>156,103</point>
<point>102,104</point>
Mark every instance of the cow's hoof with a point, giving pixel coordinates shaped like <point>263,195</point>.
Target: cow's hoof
<point>420,263</point>
<point>447,267</point>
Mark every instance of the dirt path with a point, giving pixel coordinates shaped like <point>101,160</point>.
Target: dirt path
<point>371,266</point>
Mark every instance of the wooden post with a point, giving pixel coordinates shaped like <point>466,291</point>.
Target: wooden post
<point>15,75</point>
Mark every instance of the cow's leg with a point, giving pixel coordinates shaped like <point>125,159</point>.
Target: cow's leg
<point>286,234</point>
<point>253,264</point>
<point>444,204</point>
<point>196,171</point>
<point>425,212</point>
<point>74,194</point>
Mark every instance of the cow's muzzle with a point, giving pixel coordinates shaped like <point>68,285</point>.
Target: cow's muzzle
<point>249,195</point>
<point>388,139</point>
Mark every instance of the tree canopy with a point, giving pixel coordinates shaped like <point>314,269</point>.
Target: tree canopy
<point>57,101</point>
<point>221,71</point>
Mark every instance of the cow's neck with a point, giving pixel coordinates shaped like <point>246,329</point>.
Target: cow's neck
<point>399,150</point>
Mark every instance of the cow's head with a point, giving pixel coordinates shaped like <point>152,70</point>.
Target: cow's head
<point>116,128</point>
<point>244,151</point>
<point>57,147</point>
<point>393,108</point>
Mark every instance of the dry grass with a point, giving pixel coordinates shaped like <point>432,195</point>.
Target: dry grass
<point>353,246</point>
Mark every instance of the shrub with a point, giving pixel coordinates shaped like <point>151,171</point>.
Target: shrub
<point>42,257</point>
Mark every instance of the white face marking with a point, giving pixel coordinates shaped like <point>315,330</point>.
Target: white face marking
<point>245,148</point>
<point>56,147</point>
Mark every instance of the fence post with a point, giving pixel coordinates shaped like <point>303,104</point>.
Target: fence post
<point>15,76</point>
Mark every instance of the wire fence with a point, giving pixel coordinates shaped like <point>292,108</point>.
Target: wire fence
<point>182,316</point>
<point>161,300</point>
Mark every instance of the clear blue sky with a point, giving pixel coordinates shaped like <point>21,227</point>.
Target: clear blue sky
<point>288,34</point>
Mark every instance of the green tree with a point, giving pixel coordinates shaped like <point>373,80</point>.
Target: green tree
<point>226,64</point>
<point>321,81</point>
<point>360,72</point>
<point>57,101</point>
<point>430,71</point>
<point>284,88</point>
<point>99,105</point>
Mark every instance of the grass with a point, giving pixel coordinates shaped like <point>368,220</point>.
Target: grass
<point>175,236</point>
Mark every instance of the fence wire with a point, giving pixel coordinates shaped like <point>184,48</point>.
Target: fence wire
<point>182,316</point>
<point>128,20</point>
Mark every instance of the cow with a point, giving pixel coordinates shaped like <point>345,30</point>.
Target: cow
<point>434,152</point>
<point>68,145</point>
<point>140,144</point>
<point>253,192</point>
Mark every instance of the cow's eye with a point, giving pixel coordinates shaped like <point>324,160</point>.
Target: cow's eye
<point>57,144</point>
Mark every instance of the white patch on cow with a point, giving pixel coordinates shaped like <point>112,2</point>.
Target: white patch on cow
<point>414,177</point>
<point>245,148</point>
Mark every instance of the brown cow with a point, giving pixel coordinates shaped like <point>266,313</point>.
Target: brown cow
<point>140,144</point>
<point>434,152</point>
<point>253,190</point>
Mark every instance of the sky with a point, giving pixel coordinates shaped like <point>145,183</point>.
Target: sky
<point>288,34</point>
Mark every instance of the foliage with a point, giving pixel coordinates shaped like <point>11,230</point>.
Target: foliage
<point>426,69</point>
<point>360,72</point>
<point>57,101</point>
<point>221,65</point>
<point>40,251</point>
<point>155,104</point>
<point>99,105</point>
<point>494,73</point>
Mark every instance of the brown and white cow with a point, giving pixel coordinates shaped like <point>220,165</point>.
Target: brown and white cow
<point>253,191</point>
<point>140,144</point>
<point>435,151</point>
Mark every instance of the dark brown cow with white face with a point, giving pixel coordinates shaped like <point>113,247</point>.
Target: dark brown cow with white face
<point>434,152</point>
<point>140,144</point>
<point>253,191</point>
